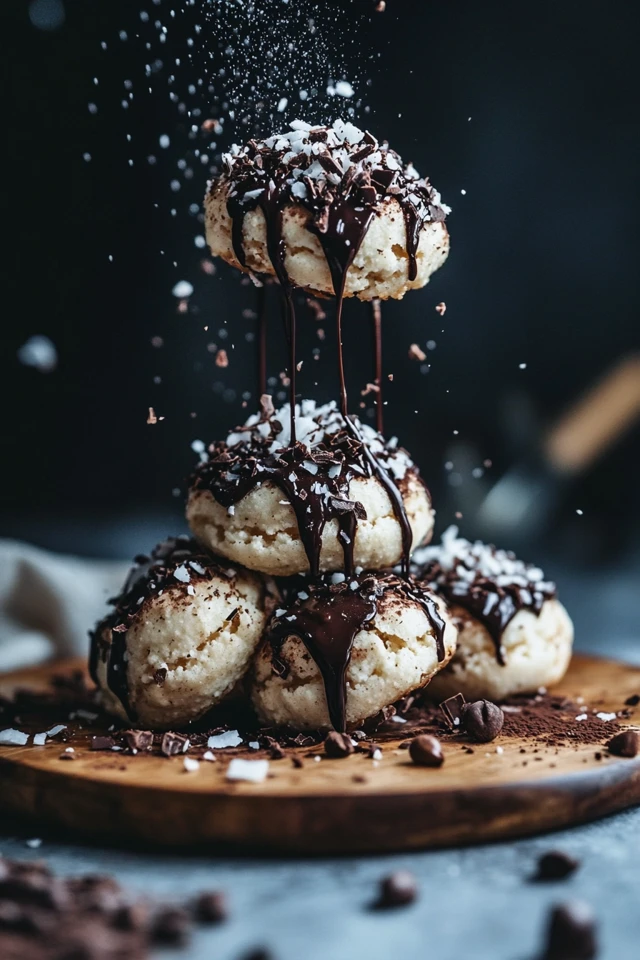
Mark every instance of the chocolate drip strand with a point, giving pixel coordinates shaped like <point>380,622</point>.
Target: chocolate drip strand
<point>376,316</point>
<point>261,298</point>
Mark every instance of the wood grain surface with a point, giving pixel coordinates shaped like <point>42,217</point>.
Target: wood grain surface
<point>328,806</point>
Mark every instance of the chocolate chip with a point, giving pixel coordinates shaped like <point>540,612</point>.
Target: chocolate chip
<point>172,925</point>
<point>297,762</point>
<point>139,739</point>
<point>556,865</point>
<point>337,745</point>
<point>452,709</point>
<point>173,744</point>
<point>571,933</point>
<point>132,916</point>
<point>625,744</point>
<point>397,890</point>
<point>211,907</point>
<point>426,751</point>
<point>102,743</point>
<point>482,720</point>
<point>633,700</point>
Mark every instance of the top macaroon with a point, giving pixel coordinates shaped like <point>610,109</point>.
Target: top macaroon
<point>327,209</point>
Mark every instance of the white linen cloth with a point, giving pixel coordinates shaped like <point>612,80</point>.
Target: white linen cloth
<point>49,602</point>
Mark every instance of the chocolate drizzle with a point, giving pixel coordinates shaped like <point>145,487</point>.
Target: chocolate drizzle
<point>173,565</point>
<point>492,585</point>
<point>327,616</point>
<point>315,476</point>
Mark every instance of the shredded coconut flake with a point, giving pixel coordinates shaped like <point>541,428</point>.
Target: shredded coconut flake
<point>253,771</point>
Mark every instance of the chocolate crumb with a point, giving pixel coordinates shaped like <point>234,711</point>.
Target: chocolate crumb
<point>398,889</point>
<point>337,745</point>
<point>417,353</point>
<point>625,744</point>
<point>571,933</point>
<point>425,751</point>
<point>632,701</point>
<point>556,865</point>
<point>482,720</point>
<point>297,762</point>
<point>211,908</point>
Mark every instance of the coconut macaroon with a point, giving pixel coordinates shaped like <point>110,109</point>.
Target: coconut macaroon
<point>342,497</point>
<point>343,649</point>
<point>181,635</point>
<point>514,636</point>
<point>324,208</point>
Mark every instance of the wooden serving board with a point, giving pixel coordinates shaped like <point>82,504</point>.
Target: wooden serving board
<point>329,806</point>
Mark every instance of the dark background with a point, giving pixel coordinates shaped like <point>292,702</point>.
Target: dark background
<point>543,267</point>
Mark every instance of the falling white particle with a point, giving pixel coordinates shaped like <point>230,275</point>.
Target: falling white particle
<point>253,771</point>
<point>376,755</point>
<point>191,765</point>
<point>499,749</point>
<point>606,716</point>
<point>182,289</point>
<point>200,242</point>
<point>92,108</point>
<point>39,352</point>
<point>282,105</point>
<point>86,157</point>
<point>164,141</point>
<point>71,750</point>
<point>198,446</point>
<point>231,738</point>
<point>579,512</point>
<point>34,843</point>
<point>463,192</point>
<point>13,738</point>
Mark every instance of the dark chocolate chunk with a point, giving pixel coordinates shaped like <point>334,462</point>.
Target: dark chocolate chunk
<point>452,709</point>
<point>172,926</point>
<point>102,743</point>
<point>624,744</point>
<point>297,762</point>
<point>398,889</point>
<point>173,744</point>
<point>425,751</point>
<point>633,700</point>
<point>139,739</point>
<point>211,907</point>
<point>482,720</point>
<point>571,933</point>
<point>132,916</point>
<point>556,865</point>
<point>337,745</point>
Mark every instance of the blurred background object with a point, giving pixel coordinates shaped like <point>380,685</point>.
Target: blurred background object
<point>525,117</point>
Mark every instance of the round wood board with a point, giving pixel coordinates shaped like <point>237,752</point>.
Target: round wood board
<point>330,806</point>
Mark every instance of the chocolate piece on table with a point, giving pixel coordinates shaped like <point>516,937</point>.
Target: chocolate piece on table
<point>425,751</point>
<point>624,744</point>
<point>556,865</point>
<point>173,744</point>
<point>172,926</point>
<point>633,700</point>
<point>139,739</point>
<point>482,720</point>
<point>337,745</point>
<point>102,743</point>
<point>398,889</point>
<point>571,933</point>
<point>211,907</point>
<point>452,709</point>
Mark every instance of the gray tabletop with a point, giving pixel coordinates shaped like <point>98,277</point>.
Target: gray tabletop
<point>476,903</point>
